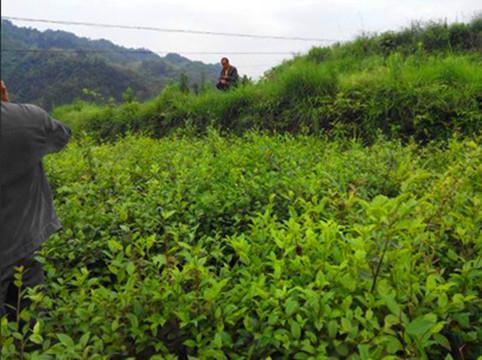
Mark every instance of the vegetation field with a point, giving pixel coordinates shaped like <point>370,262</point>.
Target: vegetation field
<point>261,247</point>
<point>332,210</point>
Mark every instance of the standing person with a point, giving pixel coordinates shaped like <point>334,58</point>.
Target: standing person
<point>229,75</point>
<point>27,215</point>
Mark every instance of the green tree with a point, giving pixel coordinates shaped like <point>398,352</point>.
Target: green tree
<point>196,88</point>
<point>184,83</point>
<point>92,96</point>
<point>203,82</point>
<point>245,80</point>
<point>128,95</point>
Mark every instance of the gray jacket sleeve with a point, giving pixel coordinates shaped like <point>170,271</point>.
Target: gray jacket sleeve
<point>28,134</point>
<point>57,135</point>
<point>234,77</point>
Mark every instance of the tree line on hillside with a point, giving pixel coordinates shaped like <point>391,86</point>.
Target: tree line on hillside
<point>63,65</point>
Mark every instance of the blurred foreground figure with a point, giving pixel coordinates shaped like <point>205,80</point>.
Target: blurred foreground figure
<point>228,77</point>
<point>27,215</point>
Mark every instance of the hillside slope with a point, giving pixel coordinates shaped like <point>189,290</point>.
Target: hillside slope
<point>424,82</point>
<point>54,78</point>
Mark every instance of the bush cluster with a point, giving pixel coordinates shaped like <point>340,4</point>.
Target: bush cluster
<point>260,247</point>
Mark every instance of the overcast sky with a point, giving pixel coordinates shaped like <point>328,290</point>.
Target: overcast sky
<point>336,19</point>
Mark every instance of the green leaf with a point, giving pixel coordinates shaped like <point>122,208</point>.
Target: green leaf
<point>190,343</point>
<point>392,304</point>
<point>36,328</point>
<point>291,307</point>
<point>36,339</point>
<point>66,340</point>
<point>167,214</point>
<point>420,325</point>
<point>443,341</point>
<point>130,268</point>
<point>342,349</point>
<point>295,329</point>
<point>84,339</point>
<point>332,328</point>
<point>114,246</point>
<point>345,325</point>
<point>393,344</point>
<point>363,349</point>
<point>157,357</point>
<point>159,260</point>
<point>301,356</point>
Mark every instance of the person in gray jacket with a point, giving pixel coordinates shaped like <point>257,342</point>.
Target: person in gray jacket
<point>229,75</point>
<point>27,214</point>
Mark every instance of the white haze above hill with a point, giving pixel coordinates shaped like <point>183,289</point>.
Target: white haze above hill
<point>336,19</point>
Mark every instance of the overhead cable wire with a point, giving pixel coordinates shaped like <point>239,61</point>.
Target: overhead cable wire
<point>140,51</point>
<point>169,30</point>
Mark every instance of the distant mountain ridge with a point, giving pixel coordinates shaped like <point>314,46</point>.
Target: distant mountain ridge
<point>52,78</point>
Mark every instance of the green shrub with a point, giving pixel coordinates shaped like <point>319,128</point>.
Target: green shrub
<point>425,97</point>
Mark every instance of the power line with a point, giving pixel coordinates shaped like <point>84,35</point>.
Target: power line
<point>168,30</point>
<point>140,51</point>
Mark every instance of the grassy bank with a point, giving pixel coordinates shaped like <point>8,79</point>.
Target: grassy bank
<point>424,83</point>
